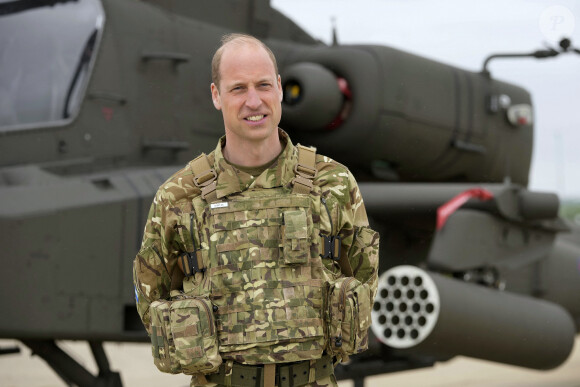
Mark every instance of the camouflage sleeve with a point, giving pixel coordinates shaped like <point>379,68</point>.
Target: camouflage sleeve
<point>153,264</point>
<point>347,218</point>
<point>360,241</point>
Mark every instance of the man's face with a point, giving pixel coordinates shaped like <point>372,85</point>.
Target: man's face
<point>249,94</point>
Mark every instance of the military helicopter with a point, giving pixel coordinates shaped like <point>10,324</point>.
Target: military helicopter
<point>94,117</point>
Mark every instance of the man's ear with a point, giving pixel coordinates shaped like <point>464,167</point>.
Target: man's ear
<point>215,97</point>
<point>280,88</point>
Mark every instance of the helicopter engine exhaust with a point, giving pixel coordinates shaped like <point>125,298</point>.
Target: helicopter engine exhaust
<point>314,97</point>
<point>423,312</point>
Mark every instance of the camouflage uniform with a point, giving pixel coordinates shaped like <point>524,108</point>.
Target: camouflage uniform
<point>268,293</point>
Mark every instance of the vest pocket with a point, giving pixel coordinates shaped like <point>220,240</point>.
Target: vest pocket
<point>295,237</point>
<point>183,336</point>
<point>364,253</point>
<point>348,317</point>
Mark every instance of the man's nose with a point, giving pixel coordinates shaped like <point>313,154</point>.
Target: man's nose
<point>253,100</point>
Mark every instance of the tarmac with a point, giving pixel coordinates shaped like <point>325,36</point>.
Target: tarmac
<point>137,369</point>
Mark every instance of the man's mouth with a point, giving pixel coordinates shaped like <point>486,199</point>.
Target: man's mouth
<point>255,118</point>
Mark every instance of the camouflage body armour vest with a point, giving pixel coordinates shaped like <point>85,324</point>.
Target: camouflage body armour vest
<point>264,274</point>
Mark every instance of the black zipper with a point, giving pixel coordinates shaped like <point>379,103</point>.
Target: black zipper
<point>160,258</point>
<point>354,236</point>
<point>323,200</point>
<point>191,231</point>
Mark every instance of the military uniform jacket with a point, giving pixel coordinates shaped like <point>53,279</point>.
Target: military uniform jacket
<point>261,248</point>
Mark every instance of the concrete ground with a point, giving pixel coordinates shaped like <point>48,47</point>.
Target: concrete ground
<point>137,369</point>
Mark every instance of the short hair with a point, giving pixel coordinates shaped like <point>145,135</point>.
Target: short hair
<point>236,38</point>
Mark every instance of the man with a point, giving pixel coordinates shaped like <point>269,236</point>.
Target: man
<point>272,236</point>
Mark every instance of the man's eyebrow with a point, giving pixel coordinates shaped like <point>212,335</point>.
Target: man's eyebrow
<point>234,84</point>
<point>265,80</point>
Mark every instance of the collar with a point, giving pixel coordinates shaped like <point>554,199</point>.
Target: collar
<point>232,180</point>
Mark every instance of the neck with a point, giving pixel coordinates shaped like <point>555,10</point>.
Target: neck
<point>251,153</point>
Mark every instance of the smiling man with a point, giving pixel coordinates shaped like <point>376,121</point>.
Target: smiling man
<point>257,266</point>
<point>247,89</point>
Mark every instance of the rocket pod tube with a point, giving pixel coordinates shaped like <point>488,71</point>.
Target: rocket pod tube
<point>428,313</point>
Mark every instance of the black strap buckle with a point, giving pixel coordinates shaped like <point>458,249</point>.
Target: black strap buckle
<point>189,264</point>
<point>331,246</point>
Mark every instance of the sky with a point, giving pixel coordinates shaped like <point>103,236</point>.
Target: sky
<point>463,33</point>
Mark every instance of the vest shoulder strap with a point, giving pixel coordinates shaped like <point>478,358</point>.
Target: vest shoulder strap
<point>305,170</point>
<point>204,177</point>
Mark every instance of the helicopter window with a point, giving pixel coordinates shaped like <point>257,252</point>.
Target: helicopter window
<point>47,50</point>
